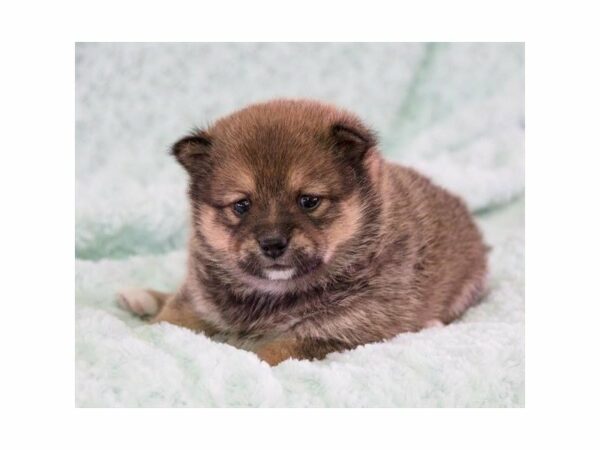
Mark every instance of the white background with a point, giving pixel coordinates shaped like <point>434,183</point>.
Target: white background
<point>37,171</point>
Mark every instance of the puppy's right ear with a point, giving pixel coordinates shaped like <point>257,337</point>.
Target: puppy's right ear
<point>192,151</point>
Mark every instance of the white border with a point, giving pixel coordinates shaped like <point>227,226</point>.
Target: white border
<point>37,234</point>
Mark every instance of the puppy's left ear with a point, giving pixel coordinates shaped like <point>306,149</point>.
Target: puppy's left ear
<point>352,141</point>
<point>193,151</point>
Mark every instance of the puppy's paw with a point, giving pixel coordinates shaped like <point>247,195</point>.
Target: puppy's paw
<point>434,323</point>
<point>138,301</point>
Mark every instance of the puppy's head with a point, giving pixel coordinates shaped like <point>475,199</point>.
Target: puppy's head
<point>280,191</point>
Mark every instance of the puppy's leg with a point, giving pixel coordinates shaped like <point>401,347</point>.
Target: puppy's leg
<point>470,294</point>
<point>178,311</point>
<point>161,307</point>
<point>280,349</point>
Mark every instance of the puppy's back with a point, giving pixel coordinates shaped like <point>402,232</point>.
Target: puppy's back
<point>451,264</point>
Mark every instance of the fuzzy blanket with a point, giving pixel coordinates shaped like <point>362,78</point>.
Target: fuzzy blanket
<point>454,112</point>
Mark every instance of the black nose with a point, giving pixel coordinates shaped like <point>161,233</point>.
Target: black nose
<point>273,246</point>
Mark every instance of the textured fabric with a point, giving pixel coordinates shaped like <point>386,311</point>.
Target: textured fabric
<point>453,111</point>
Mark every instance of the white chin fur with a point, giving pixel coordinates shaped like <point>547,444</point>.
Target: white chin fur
<point>285,274</point>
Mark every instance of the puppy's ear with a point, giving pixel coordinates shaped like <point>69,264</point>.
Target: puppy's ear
<point>352,141</point>
<point>192,151</point>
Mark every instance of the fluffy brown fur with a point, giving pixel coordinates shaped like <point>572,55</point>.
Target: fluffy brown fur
<point>384,252</point>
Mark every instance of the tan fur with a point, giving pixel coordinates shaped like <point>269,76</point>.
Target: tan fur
<point>181,314</point>
<point>219,239</point>
<point>385,251</point>
<point>345,228</point>
<point>279,350</point>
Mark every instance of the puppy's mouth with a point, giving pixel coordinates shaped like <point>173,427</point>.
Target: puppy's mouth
<point>280,271</point>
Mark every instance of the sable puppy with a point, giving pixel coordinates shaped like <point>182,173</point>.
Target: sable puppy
<point>305,241</point>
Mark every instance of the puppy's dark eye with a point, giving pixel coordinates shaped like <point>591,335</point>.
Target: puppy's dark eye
<point>309,202</point>
<point>241,207</point>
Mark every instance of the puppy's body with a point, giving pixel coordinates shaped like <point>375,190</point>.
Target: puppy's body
<point>384,251</point>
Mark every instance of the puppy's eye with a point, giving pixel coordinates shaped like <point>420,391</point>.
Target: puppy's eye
<point>309,202</point>
<point>241,207</point>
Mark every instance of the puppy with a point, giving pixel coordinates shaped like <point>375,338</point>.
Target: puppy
<point>305,241</point>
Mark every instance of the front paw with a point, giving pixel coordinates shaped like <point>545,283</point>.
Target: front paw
<point>278,351</point>
<point>138,301</point>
